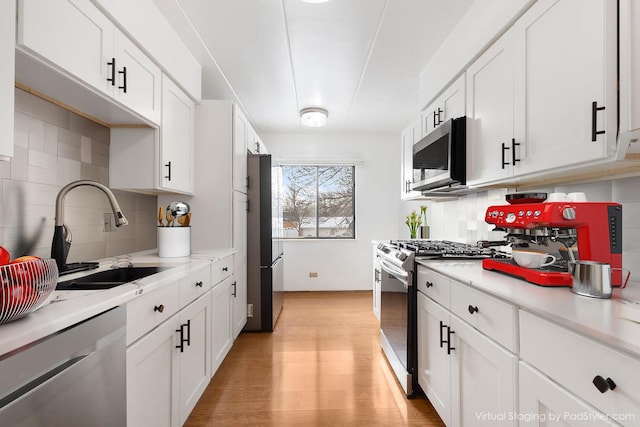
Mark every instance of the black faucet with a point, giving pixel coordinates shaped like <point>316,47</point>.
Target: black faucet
<point>61,233</point>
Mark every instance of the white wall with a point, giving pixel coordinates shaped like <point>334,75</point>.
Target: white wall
<point>345,264</point>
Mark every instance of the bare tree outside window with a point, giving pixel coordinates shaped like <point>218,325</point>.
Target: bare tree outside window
<point>319,202</point>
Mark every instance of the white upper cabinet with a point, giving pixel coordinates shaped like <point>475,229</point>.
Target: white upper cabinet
<point>7,56</point>
<point>566,83</point>
<point>543,97</point>
<point>241,133</point>
<point>410,135</point>
<point>449,105</point>
<point>630,75</point>
<point>77,40</point>
<point>157,160</point>
<point>490,113</point>
<point>177,140</point>
<point>73,35</point>
<point>138,79</point>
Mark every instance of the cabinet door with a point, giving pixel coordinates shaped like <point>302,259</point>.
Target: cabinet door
<point>434,364</point>
<point>152,378</point>
<point>241,130</point>
<point>73,35</point>
<point>195,355</point>
<point>221,317</point>
<point>483,379</point>
<point>566,62</point>
<point>453,101</point>
<point>139,80</point>
<point>7,78</point>
<point>490,112</point>
<point>239,262</point>
<point>543,402</point>
<point>408,137</point>
<point>177,139</point>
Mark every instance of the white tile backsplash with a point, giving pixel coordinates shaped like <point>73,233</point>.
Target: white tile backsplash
<point>53,147</point>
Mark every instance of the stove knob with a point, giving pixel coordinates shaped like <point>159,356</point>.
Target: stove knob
<point>569,214</point>
<point>521,213</point>
<point>511,217</point>
<point>529,213</point>
<point>537,213</point>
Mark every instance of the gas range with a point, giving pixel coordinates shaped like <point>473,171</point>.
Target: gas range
<point>444,249</point>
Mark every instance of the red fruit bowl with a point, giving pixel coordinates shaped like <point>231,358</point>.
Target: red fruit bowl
<point>26,286</point>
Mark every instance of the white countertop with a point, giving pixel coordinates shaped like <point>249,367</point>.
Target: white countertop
<point>614,321</point>
<point>70,307</point>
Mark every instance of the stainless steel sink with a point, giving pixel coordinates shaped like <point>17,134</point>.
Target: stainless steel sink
<point>108,279</point>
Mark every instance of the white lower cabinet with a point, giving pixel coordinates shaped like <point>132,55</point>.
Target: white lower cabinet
<point>483,379</point>
<point>152,376</point>
<point>194,353</point>
<point>376,283</point>
<point>593,372</point>
<point>169,368</point>
<point>470,379</point>
<point>543,402</point>
<point>434,364</point>
<point>221,318</point>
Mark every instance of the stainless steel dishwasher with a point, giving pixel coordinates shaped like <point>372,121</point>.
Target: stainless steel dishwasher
<point>75,377</point>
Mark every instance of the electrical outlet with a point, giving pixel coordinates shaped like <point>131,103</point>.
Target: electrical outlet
<point>313,274</point>
<point>108,222</point>
<point>249,310</point>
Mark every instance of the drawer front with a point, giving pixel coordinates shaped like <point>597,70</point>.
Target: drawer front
<point>574,361</point>
<point>221,269</point>
<point>435,286</point>
<point>147,311</point>
<point>491,316</point>
<point>194,285</point>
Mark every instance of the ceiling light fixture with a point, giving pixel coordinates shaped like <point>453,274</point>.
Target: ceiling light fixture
<point>313,117</point>
<point>315,1</point>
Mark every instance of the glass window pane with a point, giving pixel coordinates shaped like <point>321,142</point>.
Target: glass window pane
<point>318,202</point>
<point>335,201</point>
<point>299,209</point>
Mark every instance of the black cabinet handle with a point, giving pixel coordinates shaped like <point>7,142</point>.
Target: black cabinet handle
<point>168,166</point>
<point>199,284</point>
<point>225,268</point>
<point>439,118</point>
<point>124,79</point>
<point>112,64</point>
<point>257,147</point>
<point>594,120</point>
<point>188,340</point>
<point>514,144</point>
<point>181,341</point>
<point>472,309</point>
<point>449,332</point>
<point>376,276</point>
<point>442,326</point>
<point>429,284</point>
<point>234,289</point>
<point>504,148</point>
<point>159,308</point>
<point>603,385</point>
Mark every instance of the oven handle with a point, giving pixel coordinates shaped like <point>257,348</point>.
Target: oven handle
<point>396,272</point>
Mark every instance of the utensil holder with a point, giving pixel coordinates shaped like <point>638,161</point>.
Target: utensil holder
<point>174,242</point>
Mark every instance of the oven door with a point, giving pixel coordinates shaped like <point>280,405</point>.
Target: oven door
<point>396,299</point>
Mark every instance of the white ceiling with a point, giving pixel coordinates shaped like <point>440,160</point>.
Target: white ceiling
<point>359,59</point>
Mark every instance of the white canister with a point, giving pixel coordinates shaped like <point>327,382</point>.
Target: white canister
<point>174,242</point>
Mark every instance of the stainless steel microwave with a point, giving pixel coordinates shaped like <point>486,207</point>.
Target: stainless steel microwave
<point>440,158</point>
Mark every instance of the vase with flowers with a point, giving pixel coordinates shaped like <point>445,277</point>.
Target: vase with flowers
<point>413,222</point>
<point>424,228</point>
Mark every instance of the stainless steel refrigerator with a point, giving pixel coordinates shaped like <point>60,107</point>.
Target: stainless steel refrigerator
<point>265,258</point>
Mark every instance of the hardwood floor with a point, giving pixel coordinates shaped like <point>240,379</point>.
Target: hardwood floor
<point>321,366</point>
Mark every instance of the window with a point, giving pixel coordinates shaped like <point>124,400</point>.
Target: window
<point>318,202</point>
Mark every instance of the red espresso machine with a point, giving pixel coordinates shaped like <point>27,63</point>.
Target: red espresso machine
<point>596,227</point>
